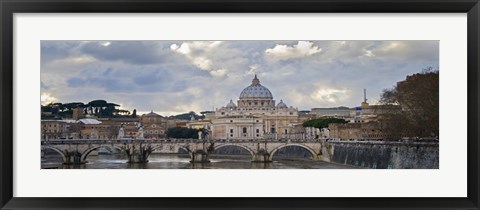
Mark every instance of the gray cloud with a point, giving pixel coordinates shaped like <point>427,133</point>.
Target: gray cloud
<point>158,75</point>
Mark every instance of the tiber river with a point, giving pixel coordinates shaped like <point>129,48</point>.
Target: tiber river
<point>181,161</point>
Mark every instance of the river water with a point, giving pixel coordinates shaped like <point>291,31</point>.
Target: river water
<point>178,161</point>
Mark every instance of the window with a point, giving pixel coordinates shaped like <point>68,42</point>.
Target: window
<point>285,131</point>
<point>231,120</point>
<point>231,130</point>
<point>244,130</point>
<point>258,131</point>
<point>257,120</point>
<point>223,113</point>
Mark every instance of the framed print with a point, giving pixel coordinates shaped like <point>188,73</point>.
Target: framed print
<point>239,105</point>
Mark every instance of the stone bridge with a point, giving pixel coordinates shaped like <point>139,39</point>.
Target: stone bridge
<point>75,151</point>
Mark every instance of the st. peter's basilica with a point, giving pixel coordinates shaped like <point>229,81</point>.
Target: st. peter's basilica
<point>255,115</point>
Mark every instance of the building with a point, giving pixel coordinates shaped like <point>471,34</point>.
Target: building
<point>337,112</point>
<point>255,115</point>
<point>54,129</point>
<point>75,129</point>
<point>154,125</point>
<point>355,131</point>
<point>130,126</point>
<point>208,115</point>
<point>78,113</point>
<point>199,124</point>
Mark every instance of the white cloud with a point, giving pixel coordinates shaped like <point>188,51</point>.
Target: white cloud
<point>202,63</point>
<point>369,53</point>
<point>47,98</point>
<point>321,96</point>
<point>218,72</point>
<point>194,52</point>
<point>189,48</point>
<point>392,46</point>
<point>252,69</point>
<point>76,60</point>
<point>331,95</point>
<point>284,52</point>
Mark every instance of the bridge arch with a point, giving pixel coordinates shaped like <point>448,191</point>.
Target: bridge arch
<point>59,151</point>
<point>91,149</point>
<point>235,145</point>
<point>309,149</point>
<point>178,147</point>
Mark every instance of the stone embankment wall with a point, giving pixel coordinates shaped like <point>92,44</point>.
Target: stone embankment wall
<point>386,155</point>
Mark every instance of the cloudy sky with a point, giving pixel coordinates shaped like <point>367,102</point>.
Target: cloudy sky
<point>172,77</point>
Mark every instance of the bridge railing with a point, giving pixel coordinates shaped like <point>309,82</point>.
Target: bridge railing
<point>115,141</point>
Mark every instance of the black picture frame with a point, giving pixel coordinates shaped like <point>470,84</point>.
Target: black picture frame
<point>10,7</point>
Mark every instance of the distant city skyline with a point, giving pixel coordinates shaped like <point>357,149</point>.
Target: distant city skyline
<point>172,77</point>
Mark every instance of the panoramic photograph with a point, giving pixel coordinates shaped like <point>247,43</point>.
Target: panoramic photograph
<point>266,104</point>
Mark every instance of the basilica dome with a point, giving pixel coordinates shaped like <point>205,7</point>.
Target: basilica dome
<point>256,90</point>
<point>231,105</point>
<point>281,104</point>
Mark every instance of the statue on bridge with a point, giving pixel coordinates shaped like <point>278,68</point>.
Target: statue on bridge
<point>121,131</point>
<point>140,131</point>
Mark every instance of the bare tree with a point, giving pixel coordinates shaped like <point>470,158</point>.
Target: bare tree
<point>418,101</point>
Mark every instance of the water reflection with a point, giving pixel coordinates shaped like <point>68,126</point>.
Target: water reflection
<point>177,161</point>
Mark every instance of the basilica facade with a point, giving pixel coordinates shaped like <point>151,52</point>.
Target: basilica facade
<point>255,115</point>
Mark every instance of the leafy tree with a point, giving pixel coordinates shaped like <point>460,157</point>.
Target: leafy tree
<point>99,108</point>
<point>322,122</point>
<point>418,99</point>
<point>97,103</point>
<point>73,105</point>
<point>60,110</point>
<point>182,133</point>
<point>187,116</point>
